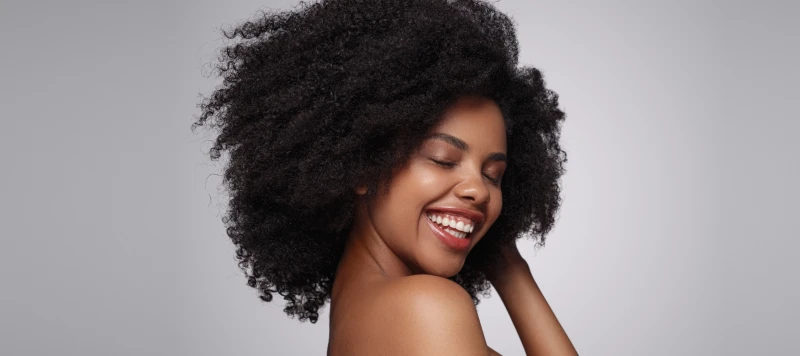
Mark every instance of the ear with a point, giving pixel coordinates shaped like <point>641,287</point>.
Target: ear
<point>361,190</point>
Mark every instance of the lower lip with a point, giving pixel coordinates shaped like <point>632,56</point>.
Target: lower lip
<point>449,240</point>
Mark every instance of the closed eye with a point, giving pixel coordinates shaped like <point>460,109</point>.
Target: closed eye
<point>451,165</point>
<point>445,164</point>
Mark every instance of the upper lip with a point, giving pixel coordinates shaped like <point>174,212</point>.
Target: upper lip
<point>476,216</point>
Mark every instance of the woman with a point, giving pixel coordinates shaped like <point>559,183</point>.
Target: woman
<point>385,155</point>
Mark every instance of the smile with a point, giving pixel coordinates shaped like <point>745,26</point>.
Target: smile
<point>451,237</point>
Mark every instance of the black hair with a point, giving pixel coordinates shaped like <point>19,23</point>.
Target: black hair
<point>334,94</point>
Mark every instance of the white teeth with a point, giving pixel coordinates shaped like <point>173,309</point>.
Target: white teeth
<point>459,228</point>
<point>458,234</point>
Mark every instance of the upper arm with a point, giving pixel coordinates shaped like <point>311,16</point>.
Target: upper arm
<point>434,316</point>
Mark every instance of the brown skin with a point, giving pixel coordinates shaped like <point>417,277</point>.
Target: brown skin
<point>536,324</point>
<point>391,295</point>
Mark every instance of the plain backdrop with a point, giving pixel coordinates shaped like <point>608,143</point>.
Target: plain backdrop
<point>677,233</point>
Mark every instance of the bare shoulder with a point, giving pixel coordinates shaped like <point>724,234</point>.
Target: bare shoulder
<point>429,315</point>
<point>425,289</point>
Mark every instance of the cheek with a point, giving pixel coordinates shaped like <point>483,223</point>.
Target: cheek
<point>419,186</point>
<point>429,176</point>
<point>409,193</point>
<point>496,204</point>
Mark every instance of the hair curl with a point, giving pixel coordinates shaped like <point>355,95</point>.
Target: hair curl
<point>321,99</point>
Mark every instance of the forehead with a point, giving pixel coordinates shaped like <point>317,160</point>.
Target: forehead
<point>477,121</point>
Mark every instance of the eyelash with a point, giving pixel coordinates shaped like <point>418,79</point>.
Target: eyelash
<point>451,165</point>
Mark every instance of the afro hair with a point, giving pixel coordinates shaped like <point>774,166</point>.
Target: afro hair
<point>335,94</point>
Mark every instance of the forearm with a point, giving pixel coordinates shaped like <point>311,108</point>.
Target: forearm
<point>536,324</point>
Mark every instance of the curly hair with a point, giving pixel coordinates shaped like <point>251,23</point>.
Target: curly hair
<point>336,94</point>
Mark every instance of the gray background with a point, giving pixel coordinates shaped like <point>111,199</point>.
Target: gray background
<point>677,235</point>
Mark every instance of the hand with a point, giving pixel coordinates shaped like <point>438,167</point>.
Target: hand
<point>512,262</point>
<point>537,326</point>
<point>511,253</point>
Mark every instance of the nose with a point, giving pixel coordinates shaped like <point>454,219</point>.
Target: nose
<point>473,188</point>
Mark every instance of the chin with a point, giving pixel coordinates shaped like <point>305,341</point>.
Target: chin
<point>444,267</point>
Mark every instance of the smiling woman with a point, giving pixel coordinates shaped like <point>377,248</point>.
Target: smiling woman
<point>455,175</point>
<point>385,156</point>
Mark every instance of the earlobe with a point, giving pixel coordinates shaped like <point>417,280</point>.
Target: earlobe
<point>361,190</point>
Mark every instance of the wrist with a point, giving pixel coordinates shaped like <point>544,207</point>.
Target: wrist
<point>509,274</point>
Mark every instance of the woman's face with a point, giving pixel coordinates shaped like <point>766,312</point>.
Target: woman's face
<point>454,177</point>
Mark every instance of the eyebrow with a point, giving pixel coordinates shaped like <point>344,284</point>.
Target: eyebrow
<point>461,145</point>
